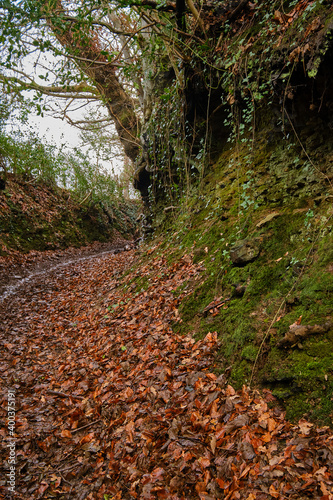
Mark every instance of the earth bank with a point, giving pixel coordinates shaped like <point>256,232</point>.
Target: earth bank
<point>35,215</point>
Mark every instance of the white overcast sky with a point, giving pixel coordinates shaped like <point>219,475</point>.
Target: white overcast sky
<point>59,132</point>
<point>56,130</point>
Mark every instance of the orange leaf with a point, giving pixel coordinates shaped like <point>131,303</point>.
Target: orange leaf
<point>200,487</point>
<point>297,322</point>
<point>271,424</point>
<point>266,437</point>
<point>66,433</point>
<point>43,486</point>
<point>56,479</point>
<point>305,427</point>
<point>204,462</point>
<point>213,444</point>
<point>157,474</point>
<point>87,438</point>
<point>230,391</point>
<point>273,492</point>
<point>213,411</point>
<point>128,393</point>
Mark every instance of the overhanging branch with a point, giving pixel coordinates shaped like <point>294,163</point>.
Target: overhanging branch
<point>80,91</point>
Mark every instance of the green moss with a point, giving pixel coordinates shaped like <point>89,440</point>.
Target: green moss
<point>306,375</point>
<point>241,373</point>
<point>292,273</point>
<point>250,352</point>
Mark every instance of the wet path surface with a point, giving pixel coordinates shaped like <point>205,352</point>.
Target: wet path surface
<point>16,272</point>
<point>46,309</point>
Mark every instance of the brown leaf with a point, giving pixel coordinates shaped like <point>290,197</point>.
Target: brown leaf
<point>66,433</point>
<point>305,427</point>
<point>87,438</point>
<point>236,423</point>
<point>43,487</point>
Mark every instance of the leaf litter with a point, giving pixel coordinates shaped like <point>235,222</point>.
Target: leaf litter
<point>112,404</point>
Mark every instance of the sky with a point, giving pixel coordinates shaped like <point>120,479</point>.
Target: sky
<point>55,130</point>
<point>58,131</point>
<point>43,68</point>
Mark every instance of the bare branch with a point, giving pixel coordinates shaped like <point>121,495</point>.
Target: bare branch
<point>109,27</point>
<point>82,124</point>
<point>80,91</point>
<point>196,15</point>
<point>166,7</point>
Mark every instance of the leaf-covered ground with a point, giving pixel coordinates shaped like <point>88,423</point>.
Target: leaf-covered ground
<point>111,404</point>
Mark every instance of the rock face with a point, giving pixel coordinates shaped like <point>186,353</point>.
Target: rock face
<point>244,251</point>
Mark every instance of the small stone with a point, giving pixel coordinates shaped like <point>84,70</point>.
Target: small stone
<point>244,251</point>
<point>239,290</point>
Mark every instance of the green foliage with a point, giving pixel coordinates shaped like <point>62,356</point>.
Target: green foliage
<point>83,177</point>
<point>27,155</point>
<point>167,147</point>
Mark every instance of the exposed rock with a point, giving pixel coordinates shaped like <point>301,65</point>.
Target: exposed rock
<point>244,251</point>
<point>238,290</point>
<point>297,333</point>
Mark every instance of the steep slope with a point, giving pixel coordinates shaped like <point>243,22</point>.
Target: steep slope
<point>109,403</point>
<point>264,241</point>
<point>251,196</point>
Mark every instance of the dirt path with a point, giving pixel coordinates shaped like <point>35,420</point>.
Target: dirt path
<point>110,404</point>
<point>19,268</point>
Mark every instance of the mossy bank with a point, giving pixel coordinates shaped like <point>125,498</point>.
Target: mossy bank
<point>260,226</point>
<point>251,200</point>
<point>35,215</point>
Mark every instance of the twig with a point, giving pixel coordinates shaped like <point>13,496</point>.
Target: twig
<point>85,426</point>
<point>185,438</point>
<point>86,197</point>
<point>172,207</point>
<point>63,394</point>
<point>215,306</point>
<point>196,16</point>
<point>70,491</point>
<point>71,467</point>
<point>65,480</point>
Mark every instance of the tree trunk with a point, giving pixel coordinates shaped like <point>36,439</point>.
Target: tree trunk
<point>84,47</point>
